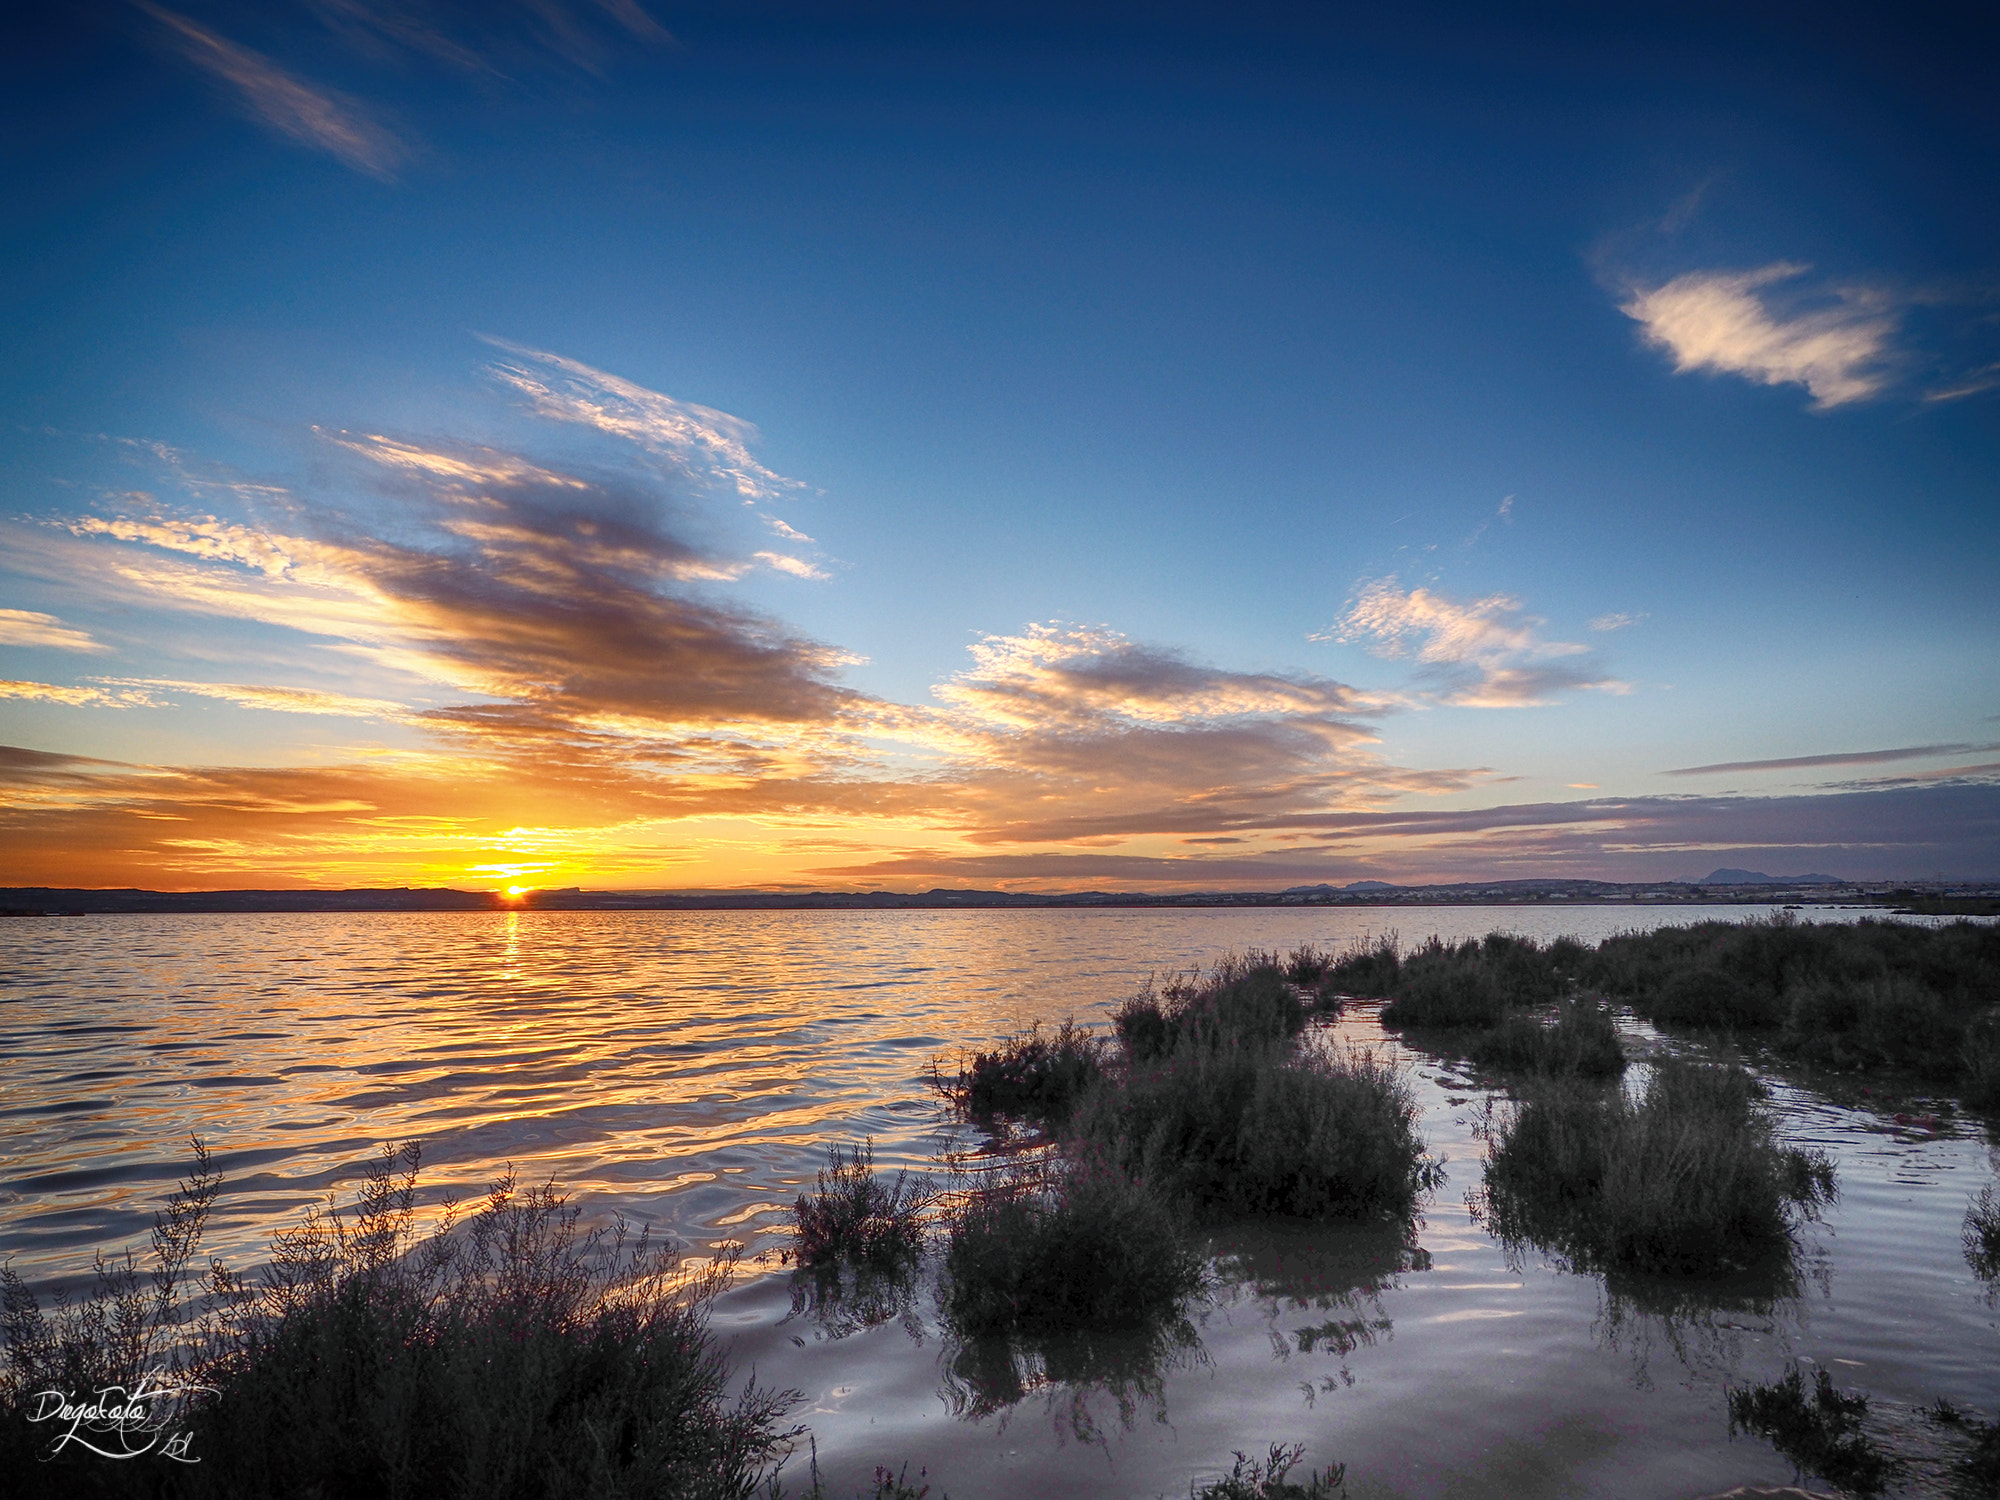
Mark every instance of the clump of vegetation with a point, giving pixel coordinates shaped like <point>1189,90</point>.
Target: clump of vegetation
<point>1982,1234</point>
<point>1034,1076</point>
<point>1240,1002</point>
<point>1056,1245</point>
<point>1236,1130</point>
<point>1688,1180</point>
<point>1862,994</point>
<point>1821,1433</point>
<point>505,1354</point>
<point>1248,1479</point>
<point>853,1215</point>
<point>1472,984</point>
<point>1368,969</point>
<point>1581,1040</point>
<point>1978,1468</point>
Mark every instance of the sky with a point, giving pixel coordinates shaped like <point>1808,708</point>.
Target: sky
<point>628,444</point>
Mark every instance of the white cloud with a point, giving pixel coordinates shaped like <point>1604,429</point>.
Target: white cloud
<point>1616,621</point>
<point>1716,320</point>
<point>1485,653</point>
<point>798,567</point>
<point>316,117</point>
<point>24,627</point>
<point>698,439</point>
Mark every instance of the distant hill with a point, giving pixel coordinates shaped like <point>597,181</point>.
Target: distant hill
<point>1754,877</point>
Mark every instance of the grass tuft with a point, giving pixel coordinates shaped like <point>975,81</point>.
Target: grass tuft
<point>853,1215</point>
<point>1820,1433</point>
<point>1033,1076</point>
<point>507,1354</point>
<point>1056,1245</point>
<point>1689,1180</point>
<point>1581,1041</point>
<point>1249,1479</point>
<point>1982,1234</point>
<point>1242,1001</point>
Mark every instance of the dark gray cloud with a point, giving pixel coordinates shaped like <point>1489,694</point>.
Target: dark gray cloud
<point>1837,758</point>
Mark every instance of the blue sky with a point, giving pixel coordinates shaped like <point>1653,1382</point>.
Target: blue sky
<point>605,443</point>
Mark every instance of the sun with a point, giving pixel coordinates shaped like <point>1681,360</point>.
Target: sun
<point>516,892</point>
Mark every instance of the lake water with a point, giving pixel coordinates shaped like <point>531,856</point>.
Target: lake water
<point>689,1069</point>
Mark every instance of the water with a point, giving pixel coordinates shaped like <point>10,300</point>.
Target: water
<point>688,1070</point>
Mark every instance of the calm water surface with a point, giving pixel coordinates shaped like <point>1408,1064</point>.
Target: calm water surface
<point>689,1069</point>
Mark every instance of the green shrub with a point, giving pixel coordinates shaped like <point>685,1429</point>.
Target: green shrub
<point>1982,1234</point>
<point>1821,1434</point>
<point>1248,1479</point>
<point>1582,1039</point>
<point>853,1215</point>
<point>1240,1002</point>
<point>1034,1076</point>
<point>1689,1180</point>
<point>1368,969</point>
<point>1473,983</point>
<point>1244,1130</point>
<point>1056,1245</point>
<point>504,1355</point>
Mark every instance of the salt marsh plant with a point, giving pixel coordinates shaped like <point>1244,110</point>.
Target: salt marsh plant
<point>1982,1234</point>
<point>860,1217</point>
<point>1244,1001</point>
<point>1249,1479</point>
<point>1059,1244</point>
<point>1473,983</point>
<point>1579,1038</point>
<point>1820,1431</point>
<point>1036,1076</point>
<point>1687,1180</point>
<point>506,1353</point>
<point>1364,968</point>
<point>1241,1130</point>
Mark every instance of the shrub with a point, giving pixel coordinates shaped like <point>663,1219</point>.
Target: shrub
<point>1032,1076</point>
<point>1979,1059</point>
<point>1689,1180</point>
<point>1473,983</point>
<point>1365,969</point>
<point>1581,1040</point>
<point>1055,1246</point>
<point>1242,1131</point>
<point>1982,1234</point>
<point>505,1355</point>
<point>1248,1479</point>
<point>1240,1002</point>
<point>1978,1468</point>
<point>853,1215</point>
<point>1821,1435</point>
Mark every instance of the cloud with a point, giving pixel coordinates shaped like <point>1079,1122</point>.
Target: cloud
<point>1616,621</point>
<point>1483,654</point>
<point>1972,383</point>
<point>24,627</point>
<point>1716,320</point>
<point>1838,758</point>
<point>796,566</point>
<point>699,441</point>
<point>74,697</point>
<point>284,700</point>
<point>317,117</point>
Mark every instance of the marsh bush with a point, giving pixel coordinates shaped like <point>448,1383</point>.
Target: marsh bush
<point>1036,1076</point>
<point>1244,1001</point>
<point>1819,1432</point>
<point>1249,1479</point>
<point>1581,1039</point>
<point>1688,1180</point>
<point>1446,985</point>
<point>1244,1130</point>
<point>1061,1244</point>
<point>1982,1234</point>
<point>1365,968</point>
<point>507,1354</point>
<point>858,1216</point>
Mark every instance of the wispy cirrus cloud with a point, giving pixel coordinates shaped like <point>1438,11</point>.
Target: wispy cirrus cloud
<point>26,627</point>
<point>310,114</point>
<point>72,696</point>
<point>284,700</point>
<point>1729,322</point>
<point>1836,758</point>
<point>1481,653</point>
<point>1620,621</point>
<point>698,440</point>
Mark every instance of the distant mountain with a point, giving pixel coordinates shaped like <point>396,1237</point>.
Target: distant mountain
<point>1753,877</point>
<point>1352,885</point>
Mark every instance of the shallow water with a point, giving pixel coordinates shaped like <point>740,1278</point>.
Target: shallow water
<point>688,1070</point>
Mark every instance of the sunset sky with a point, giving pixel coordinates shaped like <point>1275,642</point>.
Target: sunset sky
<point>623,443</point>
